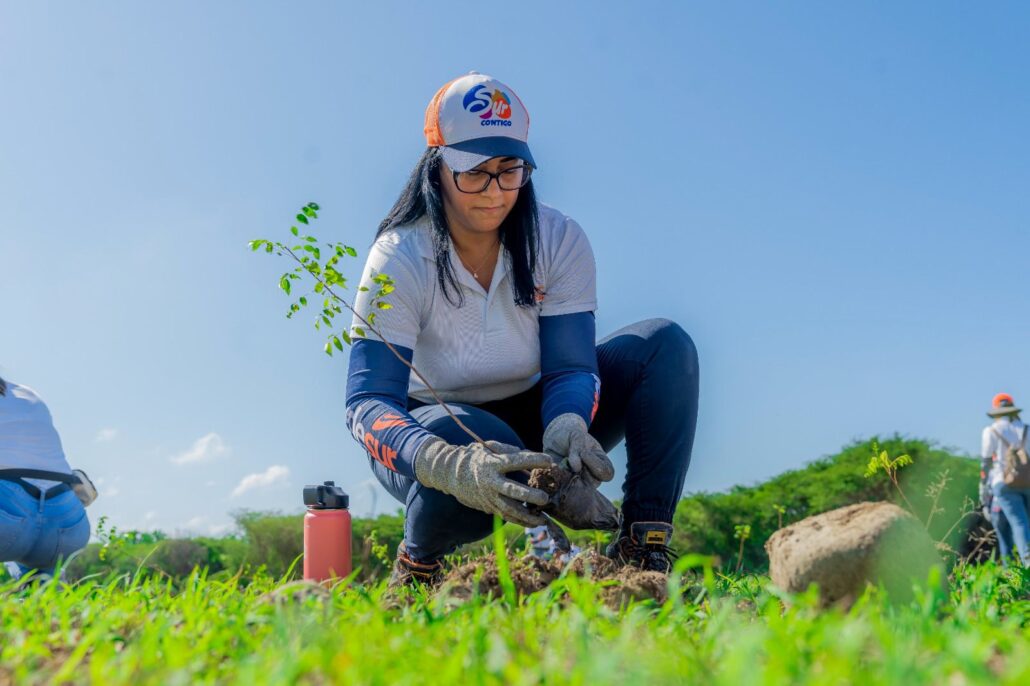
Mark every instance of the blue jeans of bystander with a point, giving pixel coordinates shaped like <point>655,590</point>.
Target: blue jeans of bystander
<point>1014,503</point>
<point>36,533</point>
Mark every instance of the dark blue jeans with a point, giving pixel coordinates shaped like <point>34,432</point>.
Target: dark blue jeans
<point>649,395</point>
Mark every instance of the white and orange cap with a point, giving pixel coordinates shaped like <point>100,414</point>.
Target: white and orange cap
<point>476,117</point>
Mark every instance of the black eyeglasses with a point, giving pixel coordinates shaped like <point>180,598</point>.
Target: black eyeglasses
<point>477,180</point>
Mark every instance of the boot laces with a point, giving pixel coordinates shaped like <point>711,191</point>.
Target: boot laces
<point>654,557</point>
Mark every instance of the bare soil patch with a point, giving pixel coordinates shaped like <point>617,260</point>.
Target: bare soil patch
<point>622,583</point>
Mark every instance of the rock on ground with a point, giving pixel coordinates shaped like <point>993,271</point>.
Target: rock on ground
<point>845,549</point>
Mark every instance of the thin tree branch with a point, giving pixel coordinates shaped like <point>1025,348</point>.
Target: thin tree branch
<point>328,289</point>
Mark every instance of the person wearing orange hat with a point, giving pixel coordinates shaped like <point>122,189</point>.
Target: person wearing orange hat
<point>492,298</point>
<point>1008,507</point>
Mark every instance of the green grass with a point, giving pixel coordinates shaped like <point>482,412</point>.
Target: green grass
<point>218,630</point>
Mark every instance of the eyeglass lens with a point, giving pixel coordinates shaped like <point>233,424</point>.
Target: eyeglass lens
<point>476,180</point>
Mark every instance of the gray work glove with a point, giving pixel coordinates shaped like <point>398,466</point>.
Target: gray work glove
<point>477,477</point>
<point>566,436</point>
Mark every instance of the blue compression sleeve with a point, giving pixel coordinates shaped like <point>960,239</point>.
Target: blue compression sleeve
<point>568,366</point>
<point>377,401</point>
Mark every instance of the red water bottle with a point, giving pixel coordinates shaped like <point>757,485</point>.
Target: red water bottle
<point>327,533</point>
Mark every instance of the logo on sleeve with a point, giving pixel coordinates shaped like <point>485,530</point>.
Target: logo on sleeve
<point>388,420</point>
<point>493,109</point>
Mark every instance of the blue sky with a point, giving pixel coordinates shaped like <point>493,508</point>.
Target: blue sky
<point>831,199</point>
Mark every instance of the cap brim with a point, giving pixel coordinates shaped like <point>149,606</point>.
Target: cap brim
<point>468,154</point>
<point>1002,411</point>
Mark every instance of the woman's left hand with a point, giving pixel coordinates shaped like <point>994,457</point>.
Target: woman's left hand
<point>566,436</point>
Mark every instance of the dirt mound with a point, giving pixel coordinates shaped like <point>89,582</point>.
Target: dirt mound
<point>623,583</point>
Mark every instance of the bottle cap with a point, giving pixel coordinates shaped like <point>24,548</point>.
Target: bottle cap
<point>328,496</point>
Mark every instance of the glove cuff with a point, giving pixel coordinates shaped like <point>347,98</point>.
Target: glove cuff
<point>558,430</point>
<point>426,459</point>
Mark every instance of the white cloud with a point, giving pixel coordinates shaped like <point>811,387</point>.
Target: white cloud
<point>106,488</point>
<point>273,474</point>
<point>204,449</point>
<point>106,435</point>
<point>149,516</point>
<point>220,529</point>
<point>194,523</point>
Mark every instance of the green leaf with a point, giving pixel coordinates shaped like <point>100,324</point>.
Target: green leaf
<point>351,251</point>
<point>384,306</point>
<point>310,239</point>
<point>328,349</point>
<point>318,287</point>
<point>363,289</point>
<point>358,330</point>
<point>326,320</point>
<point>336,342</point>
<point>314,206</point>
<point>346,337</point>
<point>255,244</point>
<point>284,284</point>
<point>302,219</point>
<point>268,247</point>
<point>294,231</point>
<point>303,301</point>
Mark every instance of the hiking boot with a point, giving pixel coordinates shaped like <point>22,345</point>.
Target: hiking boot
<point>408,572</point>
<point>646,546</point>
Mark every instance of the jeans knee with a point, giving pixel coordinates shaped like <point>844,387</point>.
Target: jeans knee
<point>672,343</point>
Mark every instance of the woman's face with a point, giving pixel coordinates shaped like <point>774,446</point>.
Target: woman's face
<point>480,212</point>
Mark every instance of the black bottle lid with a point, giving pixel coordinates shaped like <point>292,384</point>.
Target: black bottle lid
<point>328,496</point>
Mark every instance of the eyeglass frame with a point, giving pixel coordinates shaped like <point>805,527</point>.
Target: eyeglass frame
<point>525,179</point>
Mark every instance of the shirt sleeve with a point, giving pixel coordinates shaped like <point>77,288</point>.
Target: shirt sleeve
<point>987,444</point>
<point>571,278</point>
<point>377,401</point>
<point>568,366</point>
<point>401,318</point>
<point>988,449</point>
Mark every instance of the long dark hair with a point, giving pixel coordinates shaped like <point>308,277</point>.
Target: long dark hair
<point>422,197</point>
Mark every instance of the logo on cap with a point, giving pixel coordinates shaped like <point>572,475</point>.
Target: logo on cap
<point>496,104</point>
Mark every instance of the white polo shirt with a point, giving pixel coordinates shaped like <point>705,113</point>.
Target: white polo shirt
<point>489,348</point>
<point>993,448</point>
<point>28,439</point>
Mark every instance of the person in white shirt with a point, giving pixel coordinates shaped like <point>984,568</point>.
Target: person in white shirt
<point>1006,430</point>
<point>42,518</point>
<point>540,542</point>
<point>492,300</point>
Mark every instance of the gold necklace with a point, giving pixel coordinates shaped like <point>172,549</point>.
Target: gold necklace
<point>475,272</point>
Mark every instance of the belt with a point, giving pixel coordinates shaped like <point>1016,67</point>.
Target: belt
<point>18,476</point>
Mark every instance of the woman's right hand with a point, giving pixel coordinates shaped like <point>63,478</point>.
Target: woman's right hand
<point>477,476</point>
